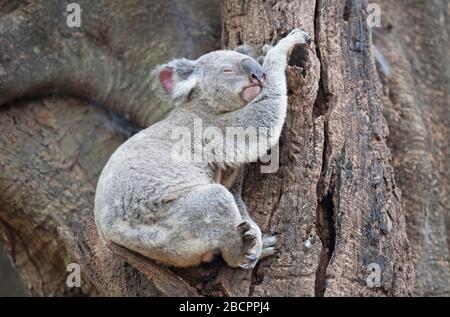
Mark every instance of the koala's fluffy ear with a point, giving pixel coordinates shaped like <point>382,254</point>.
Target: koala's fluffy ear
<point>175,80</point>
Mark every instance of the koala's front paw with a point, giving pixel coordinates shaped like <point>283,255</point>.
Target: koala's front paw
<point>251,244</point>
<point>296,37</point>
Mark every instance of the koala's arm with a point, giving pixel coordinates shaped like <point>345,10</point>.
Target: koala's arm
<point>275,64</point>
<point>268,109</point>
<point>236,191</point>
<point>269,240</point>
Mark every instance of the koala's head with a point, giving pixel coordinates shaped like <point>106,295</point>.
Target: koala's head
<point>223,80</point>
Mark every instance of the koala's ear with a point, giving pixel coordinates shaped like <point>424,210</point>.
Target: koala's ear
<point>175,80</point>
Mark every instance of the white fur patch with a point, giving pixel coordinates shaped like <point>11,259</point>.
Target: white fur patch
<point>184,87</point>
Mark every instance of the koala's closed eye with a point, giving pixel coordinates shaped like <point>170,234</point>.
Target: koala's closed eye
<point>228,71</point>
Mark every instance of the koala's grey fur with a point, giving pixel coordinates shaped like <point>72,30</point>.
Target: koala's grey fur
<point>182,213</point>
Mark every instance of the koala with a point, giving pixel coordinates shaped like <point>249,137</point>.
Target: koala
<point>183,212</point>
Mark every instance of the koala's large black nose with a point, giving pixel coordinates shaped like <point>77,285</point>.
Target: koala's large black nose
<point>254,70</point>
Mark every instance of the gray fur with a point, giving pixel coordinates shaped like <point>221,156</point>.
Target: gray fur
<point>178,212</point>
<point>247,49</point>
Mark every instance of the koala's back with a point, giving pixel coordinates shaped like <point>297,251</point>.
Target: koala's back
<point>140,180</point>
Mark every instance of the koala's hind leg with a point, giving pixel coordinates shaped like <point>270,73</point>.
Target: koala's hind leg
<point>208,219</point>
<point>203,221</point>
<point>268,241</point>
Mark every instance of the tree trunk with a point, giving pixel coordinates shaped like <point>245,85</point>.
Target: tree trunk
<point>69,98</point>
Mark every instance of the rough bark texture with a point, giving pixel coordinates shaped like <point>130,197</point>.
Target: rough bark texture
<point>334,200</point>
<point>414,39</point>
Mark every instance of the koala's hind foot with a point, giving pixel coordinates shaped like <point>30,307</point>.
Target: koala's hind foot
<point>249,247</point>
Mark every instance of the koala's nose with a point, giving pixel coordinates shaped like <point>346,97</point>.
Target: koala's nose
<point>254,70</point>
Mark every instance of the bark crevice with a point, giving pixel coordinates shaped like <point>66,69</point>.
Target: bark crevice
<point>325,219</point>
<point>325,211</point>
<point>326,231</point>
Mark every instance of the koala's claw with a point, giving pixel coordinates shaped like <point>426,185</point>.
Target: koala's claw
<point>244,226</point>
<point>268,246</point>
<point>269,251</point>
<point>249,265</point>
<point>250,261</point>
<point>252,257</point>
<point>269,241</point>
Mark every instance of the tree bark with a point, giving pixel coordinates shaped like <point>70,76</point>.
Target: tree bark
<point>334,201</point>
